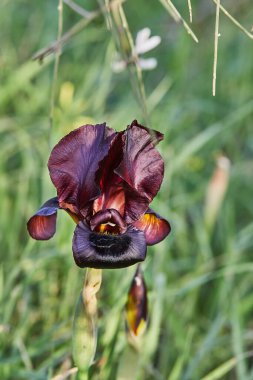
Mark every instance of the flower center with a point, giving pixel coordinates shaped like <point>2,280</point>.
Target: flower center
<point>108,222</point>
<point>108,235</point>
<point>108,228</point>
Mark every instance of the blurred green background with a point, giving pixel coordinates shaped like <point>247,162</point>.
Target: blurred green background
<point>200,279</point>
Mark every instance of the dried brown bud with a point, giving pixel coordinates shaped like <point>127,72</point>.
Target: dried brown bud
<point>216,190</point>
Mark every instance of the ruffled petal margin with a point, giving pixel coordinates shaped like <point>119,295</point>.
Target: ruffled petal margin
<point>97,250</point>
<point>154,227</point>
<point>74,162</point>
<point>42,225</point>
<point>141,168</point>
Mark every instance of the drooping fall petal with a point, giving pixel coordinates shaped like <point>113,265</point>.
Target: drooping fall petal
<point>42,225</point>
<point>98,250</point>
<point>137,305</point>
<point>73,164</point>
<point>141,168</point>
<point>154,227</point>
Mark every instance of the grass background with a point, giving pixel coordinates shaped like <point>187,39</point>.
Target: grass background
<point>199,281</point>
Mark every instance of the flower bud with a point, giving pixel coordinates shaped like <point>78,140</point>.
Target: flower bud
<point>137,305</point>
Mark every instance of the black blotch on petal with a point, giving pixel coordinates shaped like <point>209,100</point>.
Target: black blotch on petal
<point>109,245</point>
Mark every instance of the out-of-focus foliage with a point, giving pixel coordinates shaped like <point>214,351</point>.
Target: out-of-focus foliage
<point>199,280</point>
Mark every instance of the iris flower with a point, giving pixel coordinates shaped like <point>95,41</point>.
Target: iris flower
<point>105,180</point>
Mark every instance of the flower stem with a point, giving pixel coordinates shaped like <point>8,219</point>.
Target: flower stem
<point>85,323</point>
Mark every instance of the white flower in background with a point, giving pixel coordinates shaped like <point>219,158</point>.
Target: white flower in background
<point>143,44</point>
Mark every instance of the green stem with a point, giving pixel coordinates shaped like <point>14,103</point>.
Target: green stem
<point>85,323</point>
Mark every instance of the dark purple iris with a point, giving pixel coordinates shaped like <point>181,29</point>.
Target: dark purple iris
<point>105,180</point>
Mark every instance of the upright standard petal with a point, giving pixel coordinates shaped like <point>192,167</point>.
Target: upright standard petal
<point>97,250</point>
<point>74,161</point>
<point>154,227</point>
<point>42,225</point>
<point>141,168</point>
<point>155,136</point>
<point>110,184</point>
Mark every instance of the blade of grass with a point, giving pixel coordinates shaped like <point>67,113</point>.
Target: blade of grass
<point>216,39</point>
<point>158,93</point>
<point>243,240</point>
<point>137,69</point>
<point>190,10</point>
<point>204,348</point>
<point>177,370</point>
<point>221,371</point>
<point>170,7</point>
<point>187,284</point>
<point>124,40</point>
<point>78,27</point>
<point>204,137</point>
<point>234,21</point>
<point>56,68</point>
<point>224,368</point>
<point>75,7</point>
<point>241,366</point>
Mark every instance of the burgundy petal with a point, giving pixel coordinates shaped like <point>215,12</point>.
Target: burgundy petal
<point>110,162</point>
<point>141,168</point>
<point>135,204</point>
<point>42,225</point>
<point>154,227</point>
<point>113,195</point>
<point>155,136</point>
<point>74,162</point>
<point>110,183</point>
<point>97,250</point>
